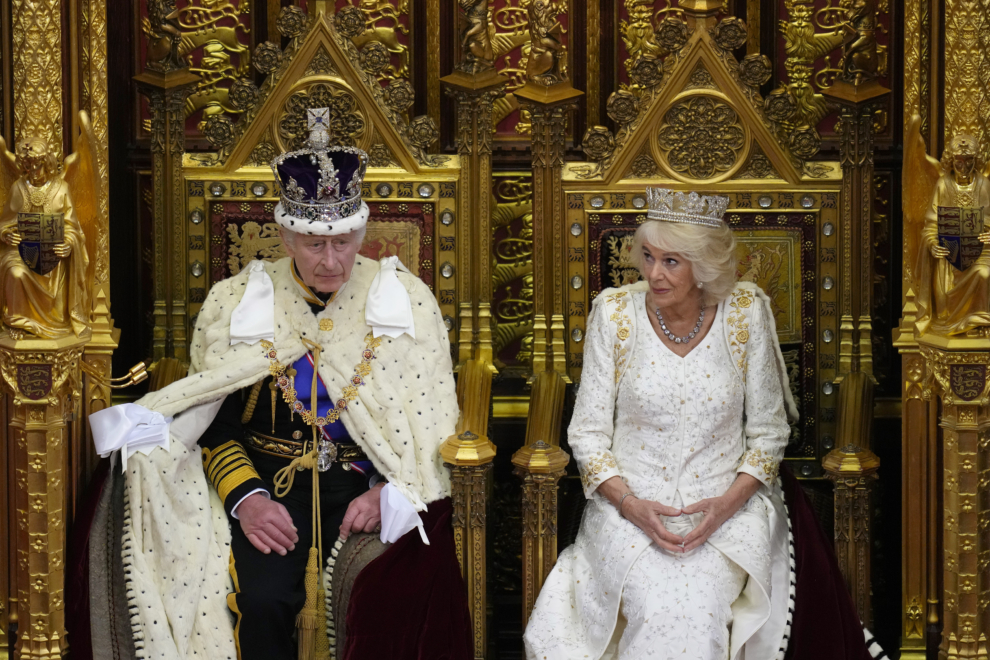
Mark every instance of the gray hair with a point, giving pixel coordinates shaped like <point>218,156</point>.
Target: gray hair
<point>711,252</point>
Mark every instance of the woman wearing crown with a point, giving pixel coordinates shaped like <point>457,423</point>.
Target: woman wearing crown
<point>678,430</point>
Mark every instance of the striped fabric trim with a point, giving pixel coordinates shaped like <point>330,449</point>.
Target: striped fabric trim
<point>232,603</point>
<point>227,467</point>
<point>876,651</point>
<point>307,293</point>
<point>871,645</point>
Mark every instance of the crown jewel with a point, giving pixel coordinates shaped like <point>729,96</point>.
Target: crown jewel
<point>691,208</point>
<point>320,183</point>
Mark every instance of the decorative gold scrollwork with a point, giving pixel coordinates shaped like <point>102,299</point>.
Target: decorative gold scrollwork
<point>598,143</point>
<point>623,107</point>
<point>347,125</point>
<point>730,33</point>
<point>644,167</point>
<point>701,137</point>
<point>267,57</point>
<point>292,21</point>
<point>382,24</point>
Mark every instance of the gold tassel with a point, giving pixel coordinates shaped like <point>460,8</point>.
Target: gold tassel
<point>291,373</point>
<point>308,620</point>
<point>252,402</point>
<point>273,386</point>
<point>322,650</point>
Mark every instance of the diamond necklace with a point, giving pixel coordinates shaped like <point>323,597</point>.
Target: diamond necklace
<point>674,338</point>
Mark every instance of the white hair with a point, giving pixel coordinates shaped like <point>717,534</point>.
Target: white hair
<point>711,252</point>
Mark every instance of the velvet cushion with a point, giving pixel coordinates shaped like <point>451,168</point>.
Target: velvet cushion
<point>826,625</point>
<point>410,603</point>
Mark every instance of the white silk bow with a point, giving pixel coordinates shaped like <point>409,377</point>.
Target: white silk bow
<point>130,428</point>
<point>388,310</point>
<point>399,516</point>
<point>254,317</point>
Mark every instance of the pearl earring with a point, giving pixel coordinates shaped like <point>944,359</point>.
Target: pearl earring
<point>700,285</point>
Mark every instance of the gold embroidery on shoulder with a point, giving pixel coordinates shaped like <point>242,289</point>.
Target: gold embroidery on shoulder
<point>623,329</point>
<point>739,326</point>
<point>598,463</point>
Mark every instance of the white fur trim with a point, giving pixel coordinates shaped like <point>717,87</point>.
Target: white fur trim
<point>319,227</point>
<point>177,536</point>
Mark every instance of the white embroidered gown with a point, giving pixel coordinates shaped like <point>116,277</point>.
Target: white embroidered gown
<point>674,429</point>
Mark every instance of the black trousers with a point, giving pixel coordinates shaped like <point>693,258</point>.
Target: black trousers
<point>269,589</point>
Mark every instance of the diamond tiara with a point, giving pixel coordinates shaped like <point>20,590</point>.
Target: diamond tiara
<point>691,208</point>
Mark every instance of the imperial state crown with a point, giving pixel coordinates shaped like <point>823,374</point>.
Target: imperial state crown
<point>320,185</point>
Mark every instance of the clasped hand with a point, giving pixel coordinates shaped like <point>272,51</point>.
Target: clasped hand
<point>268,525</point>
<point>646,514</point>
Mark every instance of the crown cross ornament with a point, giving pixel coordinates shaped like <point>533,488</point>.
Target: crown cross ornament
<point>320,185</point>
<point>690,208</point>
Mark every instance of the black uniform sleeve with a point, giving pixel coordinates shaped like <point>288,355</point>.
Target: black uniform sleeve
<point>226,463</point>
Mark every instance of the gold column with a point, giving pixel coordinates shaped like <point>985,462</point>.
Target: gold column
<point>857,105</point>
<point>919,513</point>
<point>967,71</point>
<point>41,376</point>
<point>36,31</point>
<point>469,455</point>
<point>167,92</point>
<point>594,49</point>
<point>852,469</point>
<point>549,97</point>
<point>957,374</point>
<point>94,100</point>
<point>475,86</point>
<point>920,563</point>
<point>540,464</point>
<point>7,615</point>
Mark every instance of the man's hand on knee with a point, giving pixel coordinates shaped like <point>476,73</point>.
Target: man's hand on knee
<point>267,525</point>
<point>364,513</point>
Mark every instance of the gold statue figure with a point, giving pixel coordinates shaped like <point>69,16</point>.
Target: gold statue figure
<point>476,44</point>
<point>545,65</point>
<point>638,33</point>
<point>47,233</point>
<point>946,205</point>
<point>859,61</point>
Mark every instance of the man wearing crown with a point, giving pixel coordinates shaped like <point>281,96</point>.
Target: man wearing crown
<point>320,390</point>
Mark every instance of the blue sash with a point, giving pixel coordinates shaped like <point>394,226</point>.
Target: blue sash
<point>335,432</point>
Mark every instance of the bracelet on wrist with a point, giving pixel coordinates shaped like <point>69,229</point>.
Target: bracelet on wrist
<point>622,499</point>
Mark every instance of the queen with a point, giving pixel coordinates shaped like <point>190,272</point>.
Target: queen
<point>679,427</point>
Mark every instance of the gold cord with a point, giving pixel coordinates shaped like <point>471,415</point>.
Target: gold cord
<point>284,478</point>
<point>252,402</point>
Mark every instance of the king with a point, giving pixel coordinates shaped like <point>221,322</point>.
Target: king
<point>320,391</point>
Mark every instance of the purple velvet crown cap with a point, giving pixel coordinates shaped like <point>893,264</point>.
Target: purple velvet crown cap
<point>307,173</point>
